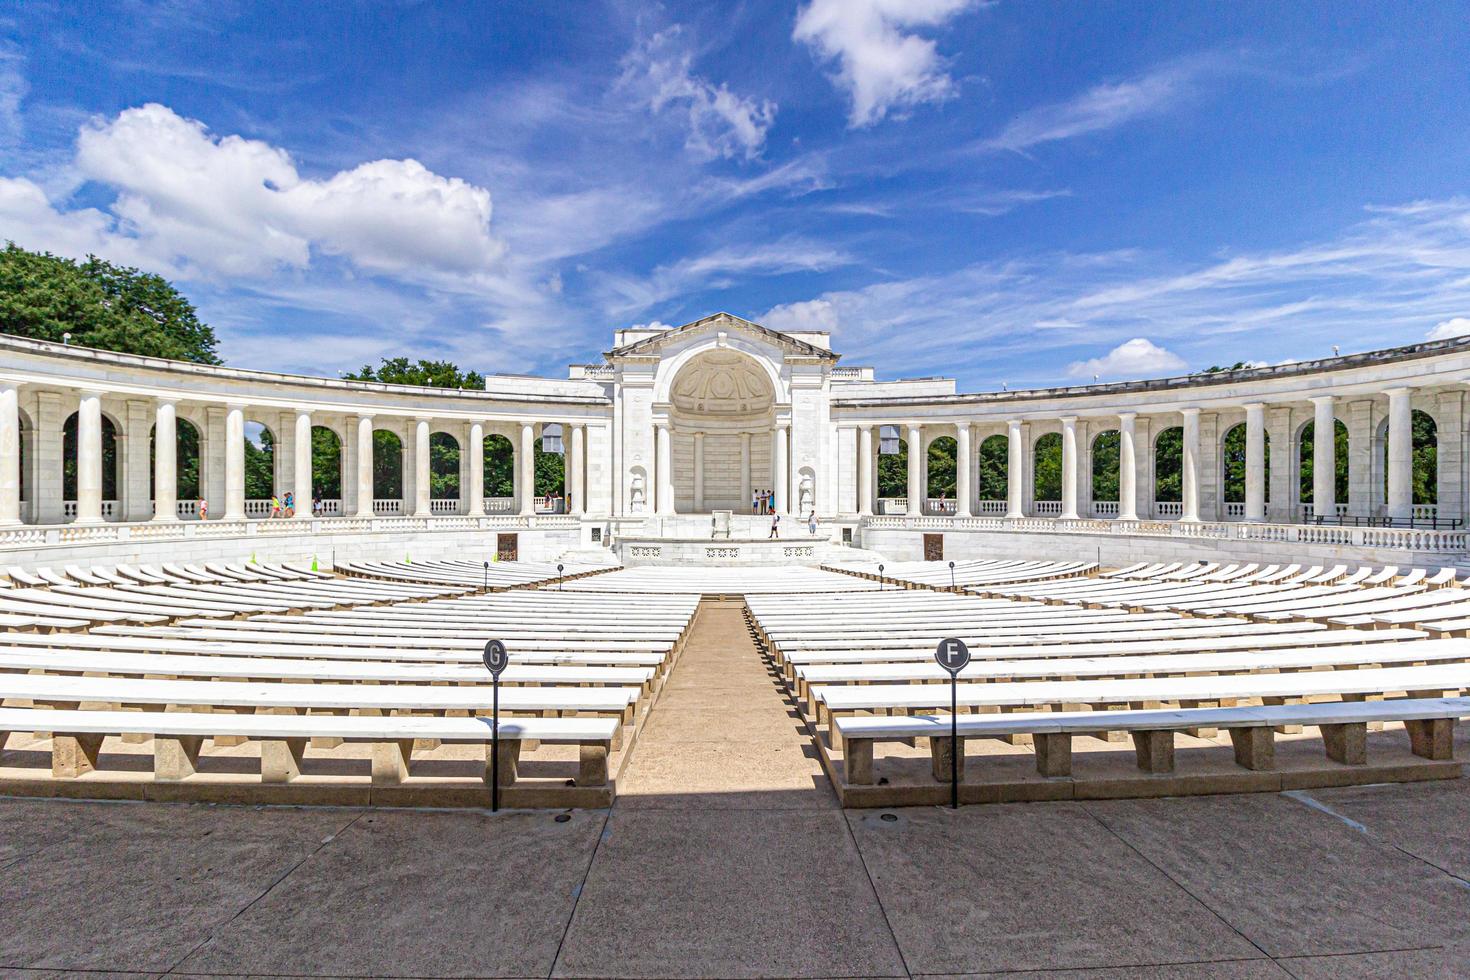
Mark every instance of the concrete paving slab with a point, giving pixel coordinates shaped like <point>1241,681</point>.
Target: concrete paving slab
<point>1292,879</point>
<point>1028,887</point>
<point>1416,817</point>
<point>1260,969</point>
<point>733,894</point>
<point>1442,961</point>
<point>139,886</point>
<point>412,893</point>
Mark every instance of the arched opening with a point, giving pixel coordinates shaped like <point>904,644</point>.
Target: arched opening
<point>943,474</point>
<point>387,472</point>
<point>500,475</point>
<point>260,468</point>
<point>69,467</point>
<point>1306,461</point>
<point>1169,472</point>
<point>551,471</point>
<point>719,401</point>
<point>1424,480</point>
<point>186,466</point>
<point>1232,468</point>
<point>992,483</point>
<point>1106,470</point>
<point>444,466</point>
<point>326,471</point>
<point>893,471</point>
<point>1047,457</point>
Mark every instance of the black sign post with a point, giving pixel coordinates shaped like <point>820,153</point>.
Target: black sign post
<point>558,576</point>
<point>880,578</point>
<point>951,575</point>
<point>487,576</point>
<point>953,656</point>
<point>496,659</point>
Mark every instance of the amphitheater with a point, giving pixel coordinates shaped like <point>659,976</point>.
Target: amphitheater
<point>1210,724</point>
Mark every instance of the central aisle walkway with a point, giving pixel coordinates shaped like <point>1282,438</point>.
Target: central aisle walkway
<point>723,733</point>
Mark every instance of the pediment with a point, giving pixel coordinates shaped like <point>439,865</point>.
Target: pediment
<point>654,346</point>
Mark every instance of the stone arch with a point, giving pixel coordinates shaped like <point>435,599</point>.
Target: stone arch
<point>326,463</point>
<point>1106,455</point>
<point>500,465</point>
<point>387,465</point>
<point>667,379</point>
<point>1047,460</point>
<point>994,465</point>
<point>717,398</point>
<point>941,466</point>
<point>892,475</point>
<point>444,468</point>
<point>1169,465</point>
<point>1232,464</point>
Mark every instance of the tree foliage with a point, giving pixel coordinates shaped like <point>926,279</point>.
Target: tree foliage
<point>1308,459</point>
<point>1232,452</point>
<point>1169,465</point>
<point>995,456</point>
<point>260,467</point>
<point>1048,455</point>
<point>1106,463</point>
<point>893,472</point>
<point>106,306</point>
<point>427,374</point>
<point>943,467</point>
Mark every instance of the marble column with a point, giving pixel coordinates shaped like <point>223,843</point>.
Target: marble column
<point>1015,470</point>
<point>699,472</point>
<point>917,491</point>
<point>234,463</point>
<point>89,458</point>
<point>745,487</point>
<point>1255,462</point>
<point>1069,467</point>
<point>476,450</point>
<point>779,467</point>
<point>526,463</point>
<point>364,466</point>
<point>1189,475</point>
<point>576,487</point>
<point>301,489</point>
<point>1127,467</point>
<point>865,470</point>
<point>962,503</point>
<point>1400,454</point>
<point>1324,458</point>
<point>663,464</point>
<point>166,461</point>
<point>9,454</point>
<point>421,496</point>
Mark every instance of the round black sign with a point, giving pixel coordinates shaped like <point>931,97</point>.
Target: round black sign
<point>496,658</point>
<point>952,654</point>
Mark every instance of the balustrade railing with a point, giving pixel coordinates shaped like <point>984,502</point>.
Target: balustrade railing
<point>1168,510</point>
<point>387,506</point>
<point>1105,508</point>
<point>444,505</point>
<point>500,505</point>
<point>986,508</point>
<point>109,510</point>
<point>939,505</point>
<point>1048,508</point>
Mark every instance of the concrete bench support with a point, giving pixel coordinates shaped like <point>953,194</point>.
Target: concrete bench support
<point>1053,753</point>
<point>74,755</point>
<point>1155,750</point>
<point>592,768</point>
<point>280,759</point>
<point>1346,744</point>
<point>510,758</point>
<point>941,748</point>
<point>176,757</point>
<point>390,761</point>
<point>857,762</point>
<point>1432,738</point>
<point>1255,748</point>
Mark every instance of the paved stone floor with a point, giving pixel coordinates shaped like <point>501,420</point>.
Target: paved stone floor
<point>727,856</point>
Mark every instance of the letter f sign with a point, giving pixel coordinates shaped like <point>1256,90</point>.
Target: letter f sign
<point>952,655</point>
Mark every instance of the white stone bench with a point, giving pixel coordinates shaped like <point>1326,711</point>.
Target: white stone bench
<point>1343,726</point>
<point>77,736</point>
<point>1185,691</point>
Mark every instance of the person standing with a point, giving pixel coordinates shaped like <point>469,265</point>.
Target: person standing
<point>775,526</point>
<point>811,523</point>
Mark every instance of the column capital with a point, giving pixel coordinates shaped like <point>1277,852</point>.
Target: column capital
<point>1254,406</point>
<point>1322,399</point>
<point>1398,391</point>
<point>90,393</point>
<point>236,406</point>
<point>868,426</point>
<point>1015,423</point>
<point>1127,416</point>
<point>1189,412</point>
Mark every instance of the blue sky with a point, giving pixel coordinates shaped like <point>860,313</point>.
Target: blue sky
<point>1018,192</point>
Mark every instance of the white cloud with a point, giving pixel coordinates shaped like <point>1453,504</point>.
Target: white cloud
<point>1136,358</point>
<point>720,123</point>
<point>1453,327</point>
<point>13,89</point>
<point>879,66</point>
<point>1100,107</point>
<point>810,315</point>
<point>652,325</point>
<point>239,206</point>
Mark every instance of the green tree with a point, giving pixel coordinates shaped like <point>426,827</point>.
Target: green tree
<point>106,306</point>
<point>1106,455</point>
<point>994,463</point>
<point>326,464</point>
<point>443,466</point>
<point>893,472</point>
<point>499,466</point>
<point>428,374</point>
<point>387,465</point>
<point>260,469</point>
<point>943,467</point>
<point>1048,455</point>
<point>1169,466</point>
<point>1233,461</point>
<point>1425,482</point>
